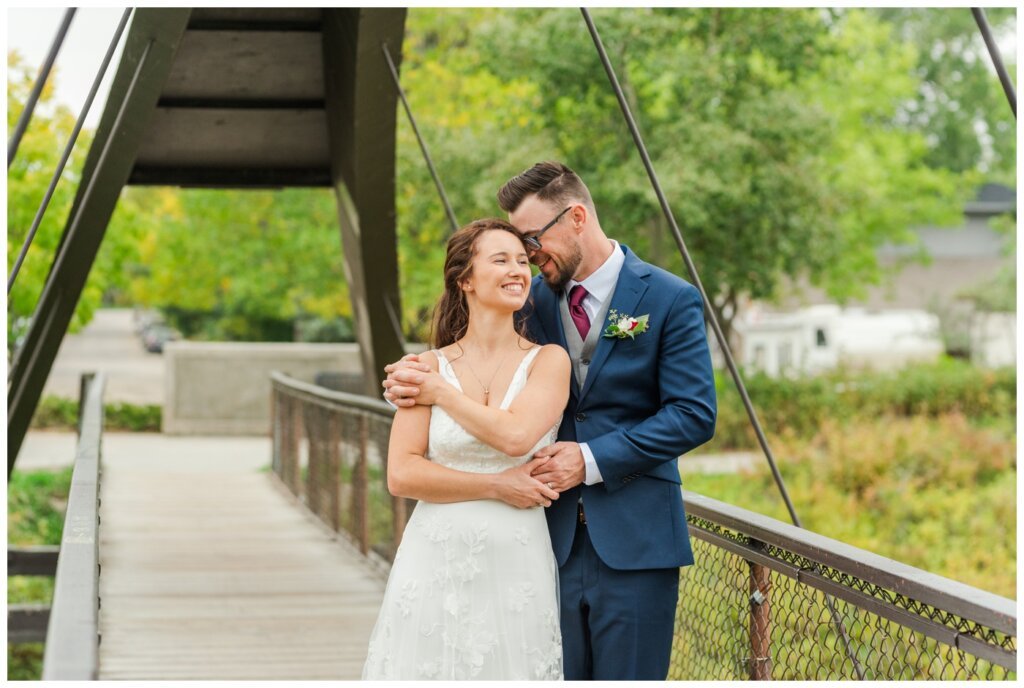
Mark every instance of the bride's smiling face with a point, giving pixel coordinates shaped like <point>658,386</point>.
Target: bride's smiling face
<point>500,276</point>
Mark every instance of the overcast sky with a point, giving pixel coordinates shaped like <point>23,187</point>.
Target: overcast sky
<point>30,31</point>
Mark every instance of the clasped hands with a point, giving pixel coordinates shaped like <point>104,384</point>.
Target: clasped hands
<point>552,470</point>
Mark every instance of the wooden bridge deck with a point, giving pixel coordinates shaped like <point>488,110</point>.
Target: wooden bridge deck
<point>211,573</point>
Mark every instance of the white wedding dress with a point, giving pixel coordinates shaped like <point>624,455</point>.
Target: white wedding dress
<point>473,590</point>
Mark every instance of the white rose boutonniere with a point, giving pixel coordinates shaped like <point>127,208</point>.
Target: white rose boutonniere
<point>622,325</point>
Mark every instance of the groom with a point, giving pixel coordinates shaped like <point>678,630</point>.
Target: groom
<point>642,394</point>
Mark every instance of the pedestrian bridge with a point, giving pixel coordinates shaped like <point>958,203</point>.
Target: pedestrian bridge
<point>171,569</point>
<point>176,567</point>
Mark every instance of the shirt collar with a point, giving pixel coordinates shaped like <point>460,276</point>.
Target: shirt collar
<point>601,282</point>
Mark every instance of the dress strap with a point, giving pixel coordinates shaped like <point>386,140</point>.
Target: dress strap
<point>528,358</point>
<point>444,367</point>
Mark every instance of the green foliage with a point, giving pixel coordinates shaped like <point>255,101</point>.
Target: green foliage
<point>241,265</point>
<point>922,490</point>
<point>55,412</point>
<point>801,405</point>
<point>36,502</point>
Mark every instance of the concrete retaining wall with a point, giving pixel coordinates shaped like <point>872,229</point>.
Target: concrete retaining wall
<point>223,388</point>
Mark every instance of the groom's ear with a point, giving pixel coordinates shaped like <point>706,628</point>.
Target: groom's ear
<point>579,215</point>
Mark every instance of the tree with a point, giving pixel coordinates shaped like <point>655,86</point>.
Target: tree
<point>242,264</point>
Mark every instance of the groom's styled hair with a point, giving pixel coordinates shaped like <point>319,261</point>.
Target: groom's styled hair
<point>551,181</point>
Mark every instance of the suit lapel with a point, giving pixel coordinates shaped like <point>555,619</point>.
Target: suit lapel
<point>629,289</point>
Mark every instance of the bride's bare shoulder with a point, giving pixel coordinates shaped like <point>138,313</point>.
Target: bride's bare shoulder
<point>550,355</point>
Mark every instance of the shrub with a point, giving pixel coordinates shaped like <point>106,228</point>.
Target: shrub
<point>802,405</point>
<point>936,493</point>
<point>56,412</point>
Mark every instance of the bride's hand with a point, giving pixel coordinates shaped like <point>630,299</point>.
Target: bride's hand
<point>432,387</point>
<point>517,488</point>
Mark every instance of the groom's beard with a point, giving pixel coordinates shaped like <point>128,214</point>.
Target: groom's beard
<point>566,269</point>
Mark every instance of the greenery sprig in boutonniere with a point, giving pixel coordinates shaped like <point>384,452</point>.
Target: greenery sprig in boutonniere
<point>621,325</point>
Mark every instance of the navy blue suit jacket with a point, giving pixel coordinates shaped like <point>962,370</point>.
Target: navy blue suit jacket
<point>645,402</point>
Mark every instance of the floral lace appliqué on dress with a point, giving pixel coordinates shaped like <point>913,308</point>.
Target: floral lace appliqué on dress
<point>473,590</point>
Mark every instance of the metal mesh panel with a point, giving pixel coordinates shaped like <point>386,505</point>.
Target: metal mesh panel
<point>711,639</point>
<point>807,634</point>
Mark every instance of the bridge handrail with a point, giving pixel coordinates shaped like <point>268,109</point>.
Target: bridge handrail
<point>329,397</point>
<point>72,635</point>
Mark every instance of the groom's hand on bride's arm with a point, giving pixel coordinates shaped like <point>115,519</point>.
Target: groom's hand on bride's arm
<point>516,487</point>
<point>565,467</point>
<point>404,378</point>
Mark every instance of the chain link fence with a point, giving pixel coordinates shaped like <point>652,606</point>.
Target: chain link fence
<point>764,600</point>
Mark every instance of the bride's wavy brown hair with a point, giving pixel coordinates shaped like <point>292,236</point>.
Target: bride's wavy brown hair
<point>451,314</point>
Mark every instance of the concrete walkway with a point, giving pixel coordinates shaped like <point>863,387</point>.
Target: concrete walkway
<point>210,570</point>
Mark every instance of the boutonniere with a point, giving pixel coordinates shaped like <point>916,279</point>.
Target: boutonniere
<point>621,325</point>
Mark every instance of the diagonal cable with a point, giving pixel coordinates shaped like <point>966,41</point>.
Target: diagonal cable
<point>997,60</point>
<point>726,351</point>
<point>37,88</point>
<point>67,149</point>
<point>423,146</point>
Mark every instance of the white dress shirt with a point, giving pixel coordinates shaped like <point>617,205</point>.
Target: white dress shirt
<point>600,286</point>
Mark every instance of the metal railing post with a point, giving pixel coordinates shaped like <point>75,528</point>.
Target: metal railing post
<point>361,489</point>
<point>760,621</point>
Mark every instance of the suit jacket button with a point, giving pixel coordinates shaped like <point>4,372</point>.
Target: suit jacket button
<point>580,417</point>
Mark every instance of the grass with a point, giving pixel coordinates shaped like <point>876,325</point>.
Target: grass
<point>36,502</point>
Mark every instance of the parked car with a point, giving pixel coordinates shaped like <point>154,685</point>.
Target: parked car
<point>155,336</point>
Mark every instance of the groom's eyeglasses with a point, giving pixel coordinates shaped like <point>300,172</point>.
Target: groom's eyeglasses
<point>533,241</point>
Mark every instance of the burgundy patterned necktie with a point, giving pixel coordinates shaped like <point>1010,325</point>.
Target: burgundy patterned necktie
<point>579,316</point>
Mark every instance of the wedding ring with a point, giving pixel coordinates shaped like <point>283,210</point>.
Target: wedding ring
<point>551,486</point>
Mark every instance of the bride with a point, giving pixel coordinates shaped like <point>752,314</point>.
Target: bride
<point>473,590</point>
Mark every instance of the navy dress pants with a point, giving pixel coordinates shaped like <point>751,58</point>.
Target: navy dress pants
<point>616,625</point>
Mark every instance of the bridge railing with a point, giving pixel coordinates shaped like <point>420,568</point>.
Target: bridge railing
<point>764,600</point>
<point>330,449</point>
<point>72,635</point>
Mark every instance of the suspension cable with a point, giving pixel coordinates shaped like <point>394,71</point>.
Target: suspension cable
<point>37,88</point>
<point>997,60</point>
<point>67,149</point>
<point>423,146</point>
<point>642,149</point>
<point>726,351</point>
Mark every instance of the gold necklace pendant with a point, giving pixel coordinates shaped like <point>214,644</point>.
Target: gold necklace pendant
<point>487,387</point>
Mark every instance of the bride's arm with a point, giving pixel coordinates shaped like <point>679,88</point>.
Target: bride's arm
<point>533,412</point>
<point>411,474</point>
